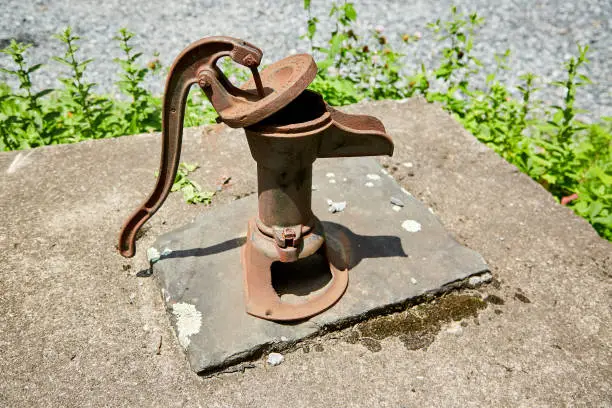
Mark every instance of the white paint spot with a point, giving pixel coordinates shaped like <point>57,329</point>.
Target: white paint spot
<point>369,184</point>
<point>413,281</point>
<point>332,181</point>
<point>153,255</point>
<point>188,322</point>
<point>431,210</point>
<point>275,359</point>
<point>330,175</point>
<point>406,192</point>
<point>407,164</point>
<point>344,179</point>
<point>383,171</point>
<point>411,226</point>
<point>396,208</point>
<point>373,177</point>
<point>19,161</point>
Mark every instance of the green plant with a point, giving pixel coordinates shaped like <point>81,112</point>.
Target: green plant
<point>592,193</point>
<point>22,117</point>
<point>352,68</point>
<point>143,111</point>
<point>74,112</point>
<point>458,62</point>
<point>86,115</point>
<point>192,192</point>
<point>558,169</point>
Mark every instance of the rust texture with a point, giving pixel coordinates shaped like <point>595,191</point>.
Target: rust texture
<point>287,128</point>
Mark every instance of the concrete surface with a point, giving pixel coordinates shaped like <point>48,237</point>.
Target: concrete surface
<point>201,273</point>
<point>79,327</point>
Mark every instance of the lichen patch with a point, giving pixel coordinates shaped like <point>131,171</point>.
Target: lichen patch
<point>188,322</point>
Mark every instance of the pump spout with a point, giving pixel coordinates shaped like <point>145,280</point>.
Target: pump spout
<point>354,135</point>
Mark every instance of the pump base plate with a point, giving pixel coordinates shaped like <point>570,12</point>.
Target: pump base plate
<point>397,255</point>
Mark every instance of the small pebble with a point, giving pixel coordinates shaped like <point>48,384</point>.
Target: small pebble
<point>413,281</point>
<point>383,171</point>
<point>315,187</point>
<point>478,279</point>
<point>397,201</point>
<point>275,359</point>
<point>336,207</point>
<point>283,338</point>
<point>330,175</point>
<point>373,177</point>
<point>369,184</point>
<point>332,181</point>
<point>407,164</point>
<point>396,208</point>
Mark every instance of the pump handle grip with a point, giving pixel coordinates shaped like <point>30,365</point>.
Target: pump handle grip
<point>198,58</point>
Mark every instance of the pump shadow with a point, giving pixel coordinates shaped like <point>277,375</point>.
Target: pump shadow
<point>211,250</point>
<point>365,246</point>
<point>360,246</point>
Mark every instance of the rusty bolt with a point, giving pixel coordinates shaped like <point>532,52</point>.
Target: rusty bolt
<point>249,61</point>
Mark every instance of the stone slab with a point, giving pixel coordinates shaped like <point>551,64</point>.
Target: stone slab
<point>403,253</point>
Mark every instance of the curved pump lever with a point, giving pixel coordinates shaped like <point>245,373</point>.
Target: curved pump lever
<point>197,63</point>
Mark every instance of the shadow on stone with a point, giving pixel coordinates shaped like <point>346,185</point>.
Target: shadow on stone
<point>361,246</point>
<point>211,250</point>
<point>365,246</point>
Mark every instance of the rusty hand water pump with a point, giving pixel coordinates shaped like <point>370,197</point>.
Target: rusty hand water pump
<point>287,128</point>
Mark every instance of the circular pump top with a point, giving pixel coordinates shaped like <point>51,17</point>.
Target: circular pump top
<point>284,81</point>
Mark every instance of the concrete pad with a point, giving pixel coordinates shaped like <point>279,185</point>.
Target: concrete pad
<point>398,255</point>
<point>80,326</point>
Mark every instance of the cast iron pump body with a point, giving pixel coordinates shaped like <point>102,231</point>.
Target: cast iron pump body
<point>287,127</point>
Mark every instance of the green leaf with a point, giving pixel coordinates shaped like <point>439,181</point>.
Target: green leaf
<point>189,167</point>
<point>34,68</point>
<point>595,208</point>
<point>43,93</point>
<point>350,12</point>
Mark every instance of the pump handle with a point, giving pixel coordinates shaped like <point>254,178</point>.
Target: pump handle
<point>197,63</point>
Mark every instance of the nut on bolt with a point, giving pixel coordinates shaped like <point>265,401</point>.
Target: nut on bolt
<point>249,61</point>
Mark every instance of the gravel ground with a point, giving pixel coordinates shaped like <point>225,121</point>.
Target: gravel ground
<point>541,34</point>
